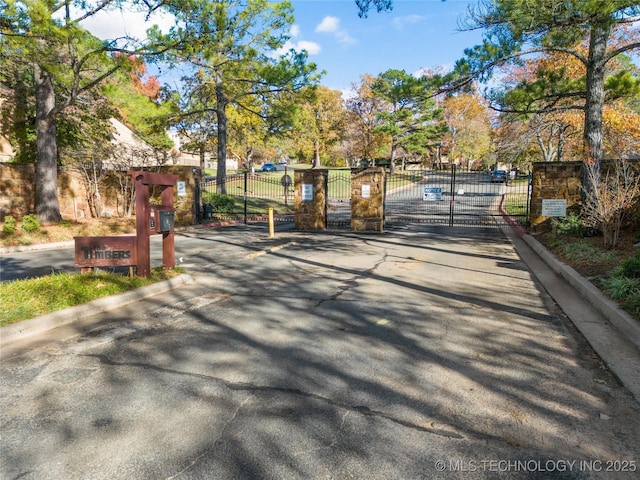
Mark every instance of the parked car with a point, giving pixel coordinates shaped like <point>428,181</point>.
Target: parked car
<point>499,176</point>
<point>268,167</point>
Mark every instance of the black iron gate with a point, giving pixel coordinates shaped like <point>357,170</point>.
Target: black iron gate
<point>338,198</point>
<point>453,197</point>
<point>248,197</point>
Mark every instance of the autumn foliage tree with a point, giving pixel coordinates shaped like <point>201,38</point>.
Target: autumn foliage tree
<point>515,29</point>
<point>362,120</point>
<point>320,122</point>
<point>57,65</point>
<point>469,133</point>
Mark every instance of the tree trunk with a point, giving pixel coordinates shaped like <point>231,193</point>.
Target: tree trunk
<point>392,165</point>
<point>203,164</point>
<point>250,159</point>
<point>46,173</point>
<point>316,154</point>
<point>221,113</point>
<point>599,36</point>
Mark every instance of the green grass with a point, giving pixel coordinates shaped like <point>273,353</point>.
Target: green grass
<point>515,203</point>
<point>25,299</point>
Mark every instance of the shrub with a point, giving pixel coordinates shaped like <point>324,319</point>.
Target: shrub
<point>30,223</point>
<point>621,288</point>
<point>219,202</point>
<point>9,225</point>
<point>570,225</point>
<point>630,267</point>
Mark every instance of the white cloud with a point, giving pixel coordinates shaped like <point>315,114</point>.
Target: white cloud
<point>332,25</point>
<point>119,23</point>
<point>328,24</point>
<point>312,48</point>
<point>400,22</point>
<point>295,31</point>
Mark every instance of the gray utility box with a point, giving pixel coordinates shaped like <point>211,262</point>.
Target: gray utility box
<point>162,220</point>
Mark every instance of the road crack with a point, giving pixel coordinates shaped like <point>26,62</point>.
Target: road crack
<point>452,432</point>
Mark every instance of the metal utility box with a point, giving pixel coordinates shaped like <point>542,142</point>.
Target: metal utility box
<point>165,220</point>
<point>161,220</point>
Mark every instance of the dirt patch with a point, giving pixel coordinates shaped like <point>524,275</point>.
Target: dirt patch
<point>66,230</point>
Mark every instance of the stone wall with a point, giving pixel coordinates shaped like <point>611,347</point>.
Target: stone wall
<point>311,214</point>
<point>554,180</point>
<point>17,192</point>
<point>367,199</point>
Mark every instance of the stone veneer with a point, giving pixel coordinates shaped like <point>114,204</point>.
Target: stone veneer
<point>311,214</point>
<point>554,180</point>
<point>17,193</point>
<point>367,212</point>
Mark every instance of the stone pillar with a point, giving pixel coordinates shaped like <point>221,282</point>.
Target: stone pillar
<point>367,199</point>
<point>310,199</point>
<point>554,180</point>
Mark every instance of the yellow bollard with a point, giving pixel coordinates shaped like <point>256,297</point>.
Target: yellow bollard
<point>271,229</point>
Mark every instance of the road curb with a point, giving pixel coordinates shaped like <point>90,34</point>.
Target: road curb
<point>620,319</point>
<point>607,307</point>
<point>43,323</point>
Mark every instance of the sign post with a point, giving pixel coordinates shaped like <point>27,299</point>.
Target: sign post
<point>162,223</point>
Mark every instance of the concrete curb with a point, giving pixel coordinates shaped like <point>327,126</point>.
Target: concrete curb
<point>620,319</point>
<point>34,326</point>
<point>37,246</point>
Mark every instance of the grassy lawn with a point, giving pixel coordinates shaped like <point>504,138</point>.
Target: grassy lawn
<point>516,203</point>
<point>25,299</point>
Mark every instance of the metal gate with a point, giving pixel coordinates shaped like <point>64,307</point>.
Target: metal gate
<point>248,197</point>
<point>452,197</point>
<point>338,198</point>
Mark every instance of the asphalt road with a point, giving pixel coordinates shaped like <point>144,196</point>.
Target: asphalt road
<point>403,355</point>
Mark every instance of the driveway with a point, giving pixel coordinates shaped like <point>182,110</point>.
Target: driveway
<point>403,355</point>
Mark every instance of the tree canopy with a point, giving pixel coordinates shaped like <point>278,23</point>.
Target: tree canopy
<point>515,29</point>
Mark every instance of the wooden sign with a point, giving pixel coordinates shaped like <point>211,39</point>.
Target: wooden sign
<point>105,251</point>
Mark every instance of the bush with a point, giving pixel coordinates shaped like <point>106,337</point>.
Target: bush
<point>9,225</point>
<point>569,225</point>
<point>219,202</point>
<point>621,288</point>
<point>30,223</point>
<point>630,267</point>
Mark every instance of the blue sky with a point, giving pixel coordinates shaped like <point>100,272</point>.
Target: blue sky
<point>416,34</point>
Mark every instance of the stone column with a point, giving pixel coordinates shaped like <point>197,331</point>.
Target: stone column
<point>310,199</point>
<point>556,181</point>
<point>367,199</point>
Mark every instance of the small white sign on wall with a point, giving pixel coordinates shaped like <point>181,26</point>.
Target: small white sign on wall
<point>554,207</point>
<point>366,191</point>
<point>182,188</point>
<point>307,192</point>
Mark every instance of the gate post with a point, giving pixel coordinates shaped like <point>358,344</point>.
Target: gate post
<point>367,199</point>
<point>310,199</point>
